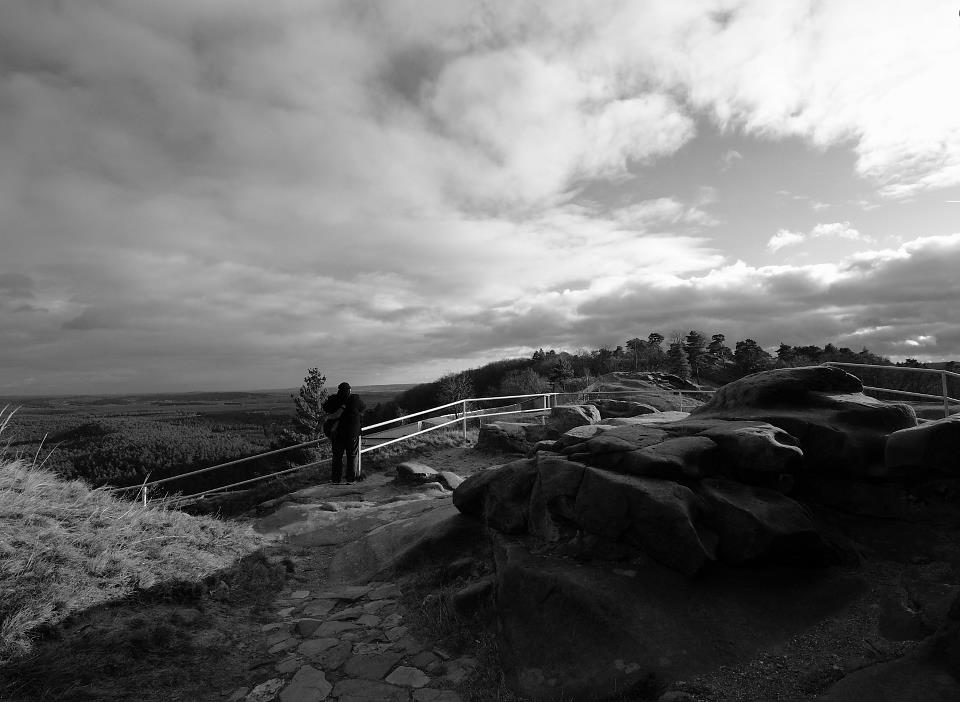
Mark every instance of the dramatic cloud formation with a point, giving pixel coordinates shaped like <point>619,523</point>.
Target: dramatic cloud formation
<point>219,194</point>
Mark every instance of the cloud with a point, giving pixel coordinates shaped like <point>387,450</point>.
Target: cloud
<point>838,230</point>
<point>785,237</point>
<point>211,193</point>
<point>841,230</point>
<point>729,158</point>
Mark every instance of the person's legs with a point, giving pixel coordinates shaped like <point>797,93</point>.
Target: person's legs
<point>353,451</point>
<point>336,465</point>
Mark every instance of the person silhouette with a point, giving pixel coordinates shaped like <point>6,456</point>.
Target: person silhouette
<point>345,410</point>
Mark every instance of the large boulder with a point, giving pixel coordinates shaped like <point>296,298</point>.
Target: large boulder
<point>515,437</point>
<point>839,429</point>
<point>683,459</point>
<point>553,499</point>
<point>659,517</point>
<point>934,446</point>
<point>499,496</point>
<point>564,417</point>
<point>755,524</point>
<point>747,447</point>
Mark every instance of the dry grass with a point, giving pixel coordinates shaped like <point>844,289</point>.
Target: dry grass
<point>65,547</point>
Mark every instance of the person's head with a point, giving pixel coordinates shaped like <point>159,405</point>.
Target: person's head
<point>343,390</point>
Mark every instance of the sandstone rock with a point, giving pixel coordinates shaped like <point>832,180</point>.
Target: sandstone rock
<point>426,694</point>
<point>839,429</point>
<point>371,666</point>
<point>612,408</point>
<point>657,516</point>
<point>500,495</point>
<point>450,479</point>
<point>416,472</point>
<point>314,647</point>
<point>748,447</point>
<point>408,677</point>
<point>335,656</point>
<point>404,544</point>
<point>469,600</point>
<point>614,440</point>
<point>353,690</point>
<point>931,446</point>
<point>578,435</point>
<point>265,691</point>
<point>553,498</point>
<point>513,436</point>
<point>758,524</point>
<point>565,417</point>
<point>682,459</point>
<point>308,685</point>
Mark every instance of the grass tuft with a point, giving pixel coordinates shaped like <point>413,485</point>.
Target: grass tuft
<point>65,547</point>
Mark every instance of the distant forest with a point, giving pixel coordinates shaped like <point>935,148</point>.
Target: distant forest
<point>693,356</point>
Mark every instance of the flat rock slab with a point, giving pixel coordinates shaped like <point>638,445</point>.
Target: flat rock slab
<point>408,677</point>
<point>414,471</point>
<point>399,542</point>
<point>353,690</point>
<point>426,694</point>
<point>371,666</point>
<point>308,685</point>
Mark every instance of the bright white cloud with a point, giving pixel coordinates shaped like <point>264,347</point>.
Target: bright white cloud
<point>784,237</point>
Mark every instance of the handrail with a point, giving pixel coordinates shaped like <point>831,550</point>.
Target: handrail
<point>549,399</point>
<point>944,395</point>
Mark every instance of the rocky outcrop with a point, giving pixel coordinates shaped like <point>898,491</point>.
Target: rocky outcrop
<point>669,511</point>
<point>513,437</point>
<point>610,408</point>
<point>840,430</point>
<point>755,524</point>
<point>564,417</point>
<point>934,446</point>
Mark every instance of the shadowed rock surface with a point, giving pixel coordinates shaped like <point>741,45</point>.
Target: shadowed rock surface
<point>707,514</point>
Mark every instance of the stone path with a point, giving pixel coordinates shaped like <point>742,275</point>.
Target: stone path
<point>350,643</point>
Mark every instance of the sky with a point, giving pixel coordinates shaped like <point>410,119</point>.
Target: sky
<point>221,194</point>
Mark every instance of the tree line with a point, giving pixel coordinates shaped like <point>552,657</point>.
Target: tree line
<point>694,355</point>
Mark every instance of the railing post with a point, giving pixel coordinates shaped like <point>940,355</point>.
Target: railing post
<point>144,495</point>
<point>946,397</point>
<point>359,456</point>
<point>464,420</point>
<point>680,393</point>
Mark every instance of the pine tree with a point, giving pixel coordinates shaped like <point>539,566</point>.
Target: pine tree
<point>677,362</point>
<point>308,401</point>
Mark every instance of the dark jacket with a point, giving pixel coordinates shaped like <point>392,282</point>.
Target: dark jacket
<point>353,407</point>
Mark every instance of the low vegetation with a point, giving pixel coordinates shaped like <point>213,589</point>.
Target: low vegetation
<point>65,547</point>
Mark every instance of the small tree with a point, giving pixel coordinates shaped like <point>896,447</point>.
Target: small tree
<point>560,373</point>
<point>749,357</point>
<point>677,362</point>
<point>455,386</point>
<point>524,381</point>
<point>695,346</point>
<point>308,401</point>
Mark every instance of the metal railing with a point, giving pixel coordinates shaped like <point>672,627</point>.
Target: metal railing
<point>462,414</point>
<point>944,396</point>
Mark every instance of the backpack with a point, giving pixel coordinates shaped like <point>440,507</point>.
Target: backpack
<point>331,424</point>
